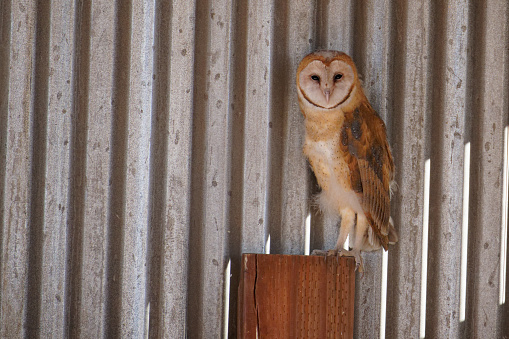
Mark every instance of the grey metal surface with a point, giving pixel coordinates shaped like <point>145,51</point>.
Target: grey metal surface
<point>373,59</point>
<point>449,119</point>
<point>56,106</point>
<point>484,316</point>
<point>17,132</point>
<point>145,145</point>
<point>410,143</point>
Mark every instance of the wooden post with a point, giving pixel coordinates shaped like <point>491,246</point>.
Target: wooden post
<point>296,296</point>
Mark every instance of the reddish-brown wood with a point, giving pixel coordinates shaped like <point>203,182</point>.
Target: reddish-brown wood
<point>296,296</point>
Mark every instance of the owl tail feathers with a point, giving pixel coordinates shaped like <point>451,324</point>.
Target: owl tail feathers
<point>393,236</point>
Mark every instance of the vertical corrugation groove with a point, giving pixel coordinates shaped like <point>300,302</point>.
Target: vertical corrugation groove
<point>298,26</point>
<point>340,33</point>
<point>176,218</point>
<point>18,143</point>
<point>55,231</point>
<point>321,12</point>
<point>117,186</point>
<point>504,309</point>
<point>256,126</point>
<point>5,31</point>
<point>400,15</point>
<point>448,132</point>
<point>78,146</point>
<point>317,41</point>
<point>489,120</point>
<point>158,169</point>
<point>366,317</point>
<point>434,248</point>
<point>359,36</point>
<point>98,169</point>
<point>198,222</point>
<point>428,143</point>
<point>476,91</point>
<point>37,178</point>
<point>135,305</point>
<point>211,170</point>
<point>277,121</point>
<point>236,123</point>
<point>374,62</point>
<point>410,132</point>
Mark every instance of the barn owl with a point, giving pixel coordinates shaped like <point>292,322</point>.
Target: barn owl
<point>347,148</point>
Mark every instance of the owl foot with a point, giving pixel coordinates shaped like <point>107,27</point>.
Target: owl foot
<point>343,253</point>
<point>353,253</point>
<point>323,253</point>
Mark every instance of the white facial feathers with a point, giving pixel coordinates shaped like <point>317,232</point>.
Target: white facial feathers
<point>326,85</point>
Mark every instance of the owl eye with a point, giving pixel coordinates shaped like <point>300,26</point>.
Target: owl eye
<point>338,76</point>
<point>315,77</point>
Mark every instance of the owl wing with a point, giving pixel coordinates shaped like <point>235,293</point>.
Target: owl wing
<point>366,150</point>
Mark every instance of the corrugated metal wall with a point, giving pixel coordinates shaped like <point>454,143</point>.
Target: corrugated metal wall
<point>145,145</point>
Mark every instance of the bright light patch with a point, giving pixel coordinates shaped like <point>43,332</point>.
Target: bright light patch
<point>503,233</point>
<point>226,315</point>
<point>464,232</point>
<point>267,245</point>
<point>346,245</point>
<point>147,319</point>
<point>383,307</point>
<point>307,235</point>
<point>424,272</point>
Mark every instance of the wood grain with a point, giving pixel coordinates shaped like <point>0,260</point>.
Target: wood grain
<point>296,296</point>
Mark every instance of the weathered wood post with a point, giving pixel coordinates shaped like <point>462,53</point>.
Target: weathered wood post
<point>296,296</point>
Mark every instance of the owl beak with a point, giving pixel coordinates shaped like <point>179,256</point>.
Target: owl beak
<point>326,92</point>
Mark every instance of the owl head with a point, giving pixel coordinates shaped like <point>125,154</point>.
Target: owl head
<point>326,79</point>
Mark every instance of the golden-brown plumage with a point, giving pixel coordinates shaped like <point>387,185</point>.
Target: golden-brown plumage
<point>346,145</point>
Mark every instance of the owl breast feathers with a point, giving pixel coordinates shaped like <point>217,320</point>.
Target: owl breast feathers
<point>347,148</point>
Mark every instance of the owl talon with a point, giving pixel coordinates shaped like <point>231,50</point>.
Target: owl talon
<point>355,254</point>
<point>329,253</point>
<point>319,252</point>
<point>332,253</point>
<point>359,266</point>
<point>343,253</point>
